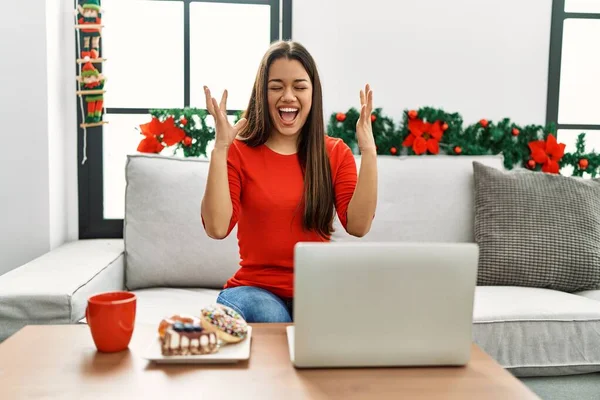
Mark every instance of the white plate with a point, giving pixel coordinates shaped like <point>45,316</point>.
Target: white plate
<point>227,354</point>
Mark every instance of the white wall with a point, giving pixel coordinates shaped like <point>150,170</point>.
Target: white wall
<point>37,115</point>
<point>62,117</point>
<point>482,59</point>
<point>24,207</point>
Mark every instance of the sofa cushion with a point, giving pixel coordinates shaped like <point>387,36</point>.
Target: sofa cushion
<point>157,303</point>
<point>536,229</point>
<point>54,288</point>
<point>423,198</point>
<point>165,242</point>
<point>537,332</point>
<point>590,294</point>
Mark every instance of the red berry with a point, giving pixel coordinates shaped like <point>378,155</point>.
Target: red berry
<point>515,132</point>
<point>412,114</point>
<point>445,127</point>
<point>484,123</point>
<point>583,163</point>
<point>373,117</point>
<point>184,121</point>
<point>458,150</point>
<point>393,150</point>
<point>341,117</point>
<point>531,164</point>
<point>187,141</point>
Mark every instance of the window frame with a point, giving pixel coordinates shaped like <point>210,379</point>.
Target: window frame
<point>559,15</point>
<point>92,223</point>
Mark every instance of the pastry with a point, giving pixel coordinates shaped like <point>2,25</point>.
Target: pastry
<point>166,323</point>
<point>228,324</point>
<point>188,339</point>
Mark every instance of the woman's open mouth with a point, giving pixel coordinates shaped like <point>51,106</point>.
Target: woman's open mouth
<point>288,115</point>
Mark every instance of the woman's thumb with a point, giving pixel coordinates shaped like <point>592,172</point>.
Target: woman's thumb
<point>240,124</point>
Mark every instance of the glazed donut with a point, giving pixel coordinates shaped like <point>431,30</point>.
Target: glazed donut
<point>228,324</point>
<point>166,323</point>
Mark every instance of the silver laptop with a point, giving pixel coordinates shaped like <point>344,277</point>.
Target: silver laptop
<point>382,304</point>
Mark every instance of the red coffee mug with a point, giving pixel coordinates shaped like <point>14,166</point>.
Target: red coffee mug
<point>111,318</point>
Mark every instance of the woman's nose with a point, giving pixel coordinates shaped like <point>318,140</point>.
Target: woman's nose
<point>288,95</point>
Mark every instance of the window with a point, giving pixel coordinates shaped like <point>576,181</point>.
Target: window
<point>573,79</point>
<point>159,54</point>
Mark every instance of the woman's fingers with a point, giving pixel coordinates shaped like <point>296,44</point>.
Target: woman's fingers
<point>362,98</point>
<point>223,105</point>
<point>370,102</point>
<point>209,103</point>
<point>218,114</point>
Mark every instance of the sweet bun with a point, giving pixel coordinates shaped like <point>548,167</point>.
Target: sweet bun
<point>228,324</point>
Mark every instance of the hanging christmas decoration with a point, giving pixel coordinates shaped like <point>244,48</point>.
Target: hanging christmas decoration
<point>92,85</point>
<point>90,22</point>
<point>88,26</point>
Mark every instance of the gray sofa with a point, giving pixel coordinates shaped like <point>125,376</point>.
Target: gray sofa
<point>549,339</point>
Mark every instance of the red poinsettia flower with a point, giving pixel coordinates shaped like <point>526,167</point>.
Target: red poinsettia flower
<point>424,136</point>
<point>152,128</point>
<point>172,134</point>
<point>547,153</point>
<point>150,145</point>
<point>157,133</point>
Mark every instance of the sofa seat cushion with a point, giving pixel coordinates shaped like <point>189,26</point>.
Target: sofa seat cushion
<point>54,288</point>
<point>537,332</point>
<point>157,303</point>
<point>590,294</point>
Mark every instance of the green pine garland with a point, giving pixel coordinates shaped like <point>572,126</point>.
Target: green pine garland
<point>481,138</point>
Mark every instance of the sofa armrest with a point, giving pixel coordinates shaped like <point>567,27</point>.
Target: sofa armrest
<point>54,288</point>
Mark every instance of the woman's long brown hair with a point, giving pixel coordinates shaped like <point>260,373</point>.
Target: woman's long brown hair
<point>318,188</point>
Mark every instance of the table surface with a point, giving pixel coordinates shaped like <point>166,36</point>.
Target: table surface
<point>61,362</point>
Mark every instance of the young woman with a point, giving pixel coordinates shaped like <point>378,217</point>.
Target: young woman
<point>280,178</point>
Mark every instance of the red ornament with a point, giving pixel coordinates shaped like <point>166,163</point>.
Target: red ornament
<point>484,123</point>
<point>393,150</point>
<point>444,126</point>
<point>412,114</point>
<point>187,141</point>
<point>341,117</point>
<point>583,163</point>
<point>548,153</point>
<point>373,117</point>
<point>515,132</point>
<point>531,164</point>
<point>183,121</point>
<point>458,150</point>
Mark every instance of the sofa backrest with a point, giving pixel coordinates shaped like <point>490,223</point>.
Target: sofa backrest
<point>420,199</point>
<point>423,199</point>
<point>165,243</point>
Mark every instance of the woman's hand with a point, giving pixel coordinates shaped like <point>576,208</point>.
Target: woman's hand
<point>225,132</point>
<point>364,130</point>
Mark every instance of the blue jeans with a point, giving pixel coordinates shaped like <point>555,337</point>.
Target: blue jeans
<point>256,304</point>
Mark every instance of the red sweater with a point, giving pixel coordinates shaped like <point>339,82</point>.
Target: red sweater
<point>266,188</point>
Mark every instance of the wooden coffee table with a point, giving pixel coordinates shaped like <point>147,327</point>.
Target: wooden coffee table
<point>61,362</point>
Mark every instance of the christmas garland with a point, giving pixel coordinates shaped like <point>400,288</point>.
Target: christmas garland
<point>421,132</point>
<point>177,129</point>
<point>433,131</point>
